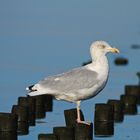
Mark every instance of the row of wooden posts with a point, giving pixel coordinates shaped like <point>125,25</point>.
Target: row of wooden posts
<point>23,115</point>
<point>106,114</point>
<point>28,109</point>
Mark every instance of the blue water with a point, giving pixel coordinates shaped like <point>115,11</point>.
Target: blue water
<point>41,38</point>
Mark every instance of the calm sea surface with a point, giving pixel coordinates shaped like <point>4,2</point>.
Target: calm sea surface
<point>119,77</point>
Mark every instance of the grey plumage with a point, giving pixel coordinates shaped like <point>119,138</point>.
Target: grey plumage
<point>69,86</point>
<point>71,81</point>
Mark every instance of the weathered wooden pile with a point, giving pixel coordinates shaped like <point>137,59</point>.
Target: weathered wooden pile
<point>23,115</point>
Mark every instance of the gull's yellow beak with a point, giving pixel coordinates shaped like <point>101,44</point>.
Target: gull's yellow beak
<point>114,50</point>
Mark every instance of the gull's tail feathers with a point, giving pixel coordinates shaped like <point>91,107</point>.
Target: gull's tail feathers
<point>35,90</point>
<point>30,88</point>
<point>32,91</point>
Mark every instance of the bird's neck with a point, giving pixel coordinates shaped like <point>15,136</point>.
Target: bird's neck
<point>102,60</point>
<point>99,63</point>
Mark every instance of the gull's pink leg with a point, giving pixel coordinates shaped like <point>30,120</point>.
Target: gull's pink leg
<point>78,114</point>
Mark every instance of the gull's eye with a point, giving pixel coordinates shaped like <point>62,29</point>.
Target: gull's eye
<point>102,46</point>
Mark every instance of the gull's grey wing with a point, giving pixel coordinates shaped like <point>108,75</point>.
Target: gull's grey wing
<point>71,81</point>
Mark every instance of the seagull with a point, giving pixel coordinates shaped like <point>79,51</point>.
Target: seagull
<point>79,83</point>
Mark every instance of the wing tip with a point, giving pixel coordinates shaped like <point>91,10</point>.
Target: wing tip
<point>30,88</point>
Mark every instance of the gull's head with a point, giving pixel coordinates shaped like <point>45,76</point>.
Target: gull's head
<point>99,48</point>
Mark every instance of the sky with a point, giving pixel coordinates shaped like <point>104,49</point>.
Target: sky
<point>41,38</point>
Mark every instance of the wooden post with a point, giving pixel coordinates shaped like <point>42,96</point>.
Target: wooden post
<point>22,113</point>
<point>47,137</point>
<point>40,107</point>
<point>71,117</point>
<point>48,102</point>
<point>64,133</point>
<point>8,126</point>
<point>104,120</point>
<point>83,131</point>
<point>130,104</point>
<point>118,110</point>
<point>133,90</point>
<point>30,103</point>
